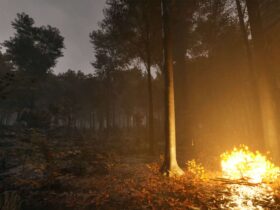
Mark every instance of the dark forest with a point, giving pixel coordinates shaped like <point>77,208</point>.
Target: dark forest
<point>181,110</point>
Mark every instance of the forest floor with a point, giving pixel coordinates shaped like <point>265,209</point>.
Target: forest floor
<point>44,173</point>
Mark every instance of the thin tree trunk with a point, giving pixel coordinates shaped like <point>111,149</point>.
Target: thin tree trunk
<point>265,81</point>
<point>108,117</point>
<point>151,109</point>
<point>90,121</point>
<point>170,166</point>
<point>149,78</point>
<point>245,34</point>
<point>101,122</point>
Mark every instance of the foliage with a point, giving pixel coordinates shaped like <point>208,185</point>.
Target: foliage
<point>139,186</point>
<point>6,76</point>
<point>33,49</point>
<point>129,31</point>
<point>196,169</point>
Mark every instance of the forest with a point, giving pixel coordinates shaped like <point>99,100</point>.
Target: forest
<point>181,110</point>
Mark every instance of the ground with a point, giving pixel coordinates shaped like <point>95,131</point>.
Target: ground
<point>80,172</point>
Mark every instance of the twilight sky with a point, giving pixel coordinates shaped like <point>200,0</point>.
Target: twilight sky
<point>74,18</point>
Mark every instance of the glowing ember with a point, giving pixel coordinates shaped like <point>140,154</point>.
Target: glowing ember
<point>240,163</point>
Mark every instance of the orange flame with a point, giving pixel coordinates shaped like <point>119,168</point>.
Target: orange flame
<point>241,163</point>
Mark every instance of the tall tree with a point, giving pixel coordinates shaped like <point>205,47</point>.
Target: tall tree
<point>244,33</point>
<point>107,61</point>
<point>33,49</point>
<point>182,23</point>
<point>265,80</point>
<point>133,28</point>
<point>170,166</point>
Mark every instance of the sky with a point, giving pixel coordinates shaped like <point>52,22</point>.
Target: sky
<point>74,18</point>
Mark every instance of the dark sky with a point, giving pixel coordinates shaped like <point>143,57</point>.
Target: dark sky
<point>75,19</point>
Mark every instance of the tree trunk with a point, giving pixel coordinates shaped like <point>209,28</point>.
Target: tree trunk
<point>265,81</point>
<point>151,109</point>
<point>170,166</point>
<point>180,27</point>
<point>101,122</point>
<point>245,34</point>
<point>250,95</point>
<point>149,78</point>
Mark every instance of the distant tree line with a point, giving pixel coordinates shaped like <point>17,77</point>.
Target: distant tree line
<point>31,95</point>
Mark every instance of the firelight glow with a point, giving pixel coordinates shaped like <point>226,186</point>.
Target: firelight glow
<point>241,163</point>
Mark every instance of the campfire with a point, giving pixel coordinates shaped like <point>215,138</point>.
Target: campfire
<point>254,167</point>
<point>248,174</point>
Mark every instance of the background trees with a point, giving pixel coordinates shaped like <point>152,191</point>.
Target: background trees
<point>132,29</point>
<point>216,98</point>
<point>264,79</point>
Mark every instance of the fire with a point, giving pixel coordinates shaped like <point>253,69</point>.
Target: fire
<point>241,163</point>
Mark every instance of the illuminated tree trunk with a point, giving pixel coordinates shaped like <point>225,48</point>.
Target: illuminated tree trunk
<point>265,81</point>
<point>170,166</point>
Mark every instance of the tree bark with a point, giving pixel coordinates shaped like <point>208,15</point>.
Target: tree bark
<point>265,81</point>
<point>149,78</point>
<point>170,166</point>
<point>151,106</point>
<point>245,34</point>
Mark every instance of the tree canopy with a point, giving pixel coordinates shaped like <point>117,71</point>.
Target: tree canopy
<point>33,49</point>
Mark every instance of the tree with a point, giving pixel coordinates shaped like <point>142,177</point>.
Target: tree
<point>265,80</point>
<point>107,61</point>
<point>33,49</point>
<point>6,76</point>
<point>244,33</point>
<point>33,52</point>
<point>132,29</point>
<point>147,24</point>
<point>170,166</point>
<point>182,23</point>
